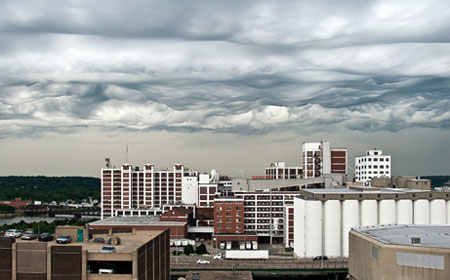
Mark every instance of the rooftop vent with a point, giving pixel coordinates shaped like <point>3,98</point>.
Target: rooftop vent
<point>415,240</point>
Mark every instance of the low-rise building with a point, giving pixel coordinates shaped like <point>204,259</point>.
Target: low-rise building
<point>408,182</point>
<point>279,171</point>
<point>136,224</point>
<point>400,252</point>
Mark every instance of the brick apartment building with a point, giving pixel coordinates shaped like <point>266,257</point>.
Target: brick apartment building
<point>229,215</point>
<point>127,188</point>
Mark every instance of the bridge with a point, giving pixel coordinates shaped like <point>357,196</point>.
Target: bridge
<point>335,266</point>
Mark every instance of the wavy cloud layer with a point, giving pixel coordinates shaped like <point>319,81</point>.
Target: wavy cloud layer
<point>233,66</point>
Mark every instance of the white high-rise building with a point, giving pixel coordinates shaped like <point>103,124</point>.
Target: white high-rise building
<point>319,159</point>
<point>372,165</point>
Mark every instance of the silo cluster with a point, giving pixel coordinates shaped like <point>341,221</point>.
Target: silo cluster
<point>321,226</point>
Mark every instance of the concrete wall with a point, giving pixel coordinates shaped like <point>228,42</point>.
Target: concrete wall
<point>72,231</point>
<point>6,259</point>
<point>373,260</point>
<point>153,259</point>
<point>31,261</point>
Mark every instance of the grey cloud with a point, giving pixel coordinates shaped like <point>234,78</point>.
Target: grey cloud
<point>247,67</point>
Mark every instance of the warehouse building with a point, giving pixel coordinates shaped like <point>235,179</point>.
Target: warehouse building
<point>400,252</point>
<point>323,217</point>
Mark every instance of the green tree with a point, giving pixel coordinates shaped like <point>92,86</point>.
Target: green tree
<point>6,209</point>
<point>201,250</point>
<point>189,249</point>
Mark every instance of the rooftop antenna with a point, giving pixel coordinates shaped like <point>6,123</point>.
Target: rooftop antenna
<point>108,162</point>
<point>126,154</point>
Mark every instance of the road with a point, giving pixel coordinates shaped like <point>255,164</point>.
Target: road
<point>274,263</point>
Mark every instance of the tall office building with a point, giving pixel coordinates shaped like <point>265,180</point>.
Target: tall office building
<point>127,188</point>
<point>319,159</point>
<point>372,165</point>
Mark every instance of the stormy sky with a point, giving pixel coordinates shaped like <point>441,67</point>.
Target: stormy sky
<point>232,85</point>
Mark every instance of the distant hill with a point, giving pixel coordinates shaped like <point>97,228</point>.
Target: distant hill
<point>437,181</point>
<point>48,189</point>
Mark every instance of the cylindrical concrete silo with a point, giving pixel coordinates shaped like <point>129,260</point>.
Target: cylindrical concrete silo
<point>299,227</point>
<point>437,212</point>
<point>387,211</point>
<point>448,212</point>
<point>350,218</point>
<point>313,227</point>
<point>369,212</point>
<point>332,228</point>
<point>404,211</point>
<point>421,212</point>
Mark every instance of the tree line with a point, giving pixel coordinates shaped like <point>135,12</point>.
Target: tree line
<point>47,189</point>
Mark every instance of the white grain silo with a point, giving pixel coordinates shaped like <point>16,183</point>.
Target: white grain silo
<point>437,212</point>
<point>387,211</point>
<point>299,227</point>
<point>421,212</point>
<point>448,212</point>
<point>350,218</point>
<point>369,212</point>
<point>313,228</point>
<point>404,211</point>
<point>332,228</point>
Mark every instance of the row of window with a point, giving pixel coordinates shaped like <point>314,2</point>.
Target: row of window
<point>374,159</point>
<point>372,166</point>
<point>370,172</point>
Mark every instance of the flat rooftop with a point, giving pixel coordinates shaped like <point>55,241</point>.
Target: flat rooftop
<point>135,221</point>
<point>433,236</point>
<point>361,190</point>
<point>362,193</point>
<point>128,242</point>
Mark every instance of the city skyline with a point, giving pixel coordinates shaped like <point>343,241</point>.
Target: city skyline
<point>228,85</point>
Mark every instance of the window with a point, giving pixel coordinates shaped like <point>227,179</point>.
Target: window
<point>375,159</point>
<point>370,159</point>
<point>375,252</point>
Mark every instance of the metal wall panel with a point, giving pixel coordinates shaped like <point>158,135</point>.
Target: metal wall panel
<point>66,262</point>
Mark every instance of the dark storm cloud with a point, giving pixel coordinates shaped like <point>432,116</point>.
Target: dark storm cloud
<point>233,66</point>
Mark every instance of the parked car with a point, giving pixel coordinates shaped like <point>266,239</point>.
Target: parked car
<point>108,249</point>
<point>29,235</point>
<point>218,256</point>
<point>106,271</point>
<point>64,239</point>
<point>99,240</point>
<point>45,236</point>
<point>202,261</point>
<point>14,233</point>
<point>319,258</point>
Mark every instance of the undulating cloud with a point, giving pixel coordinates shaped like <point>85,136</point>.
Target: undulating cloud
<point>230,66</point>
